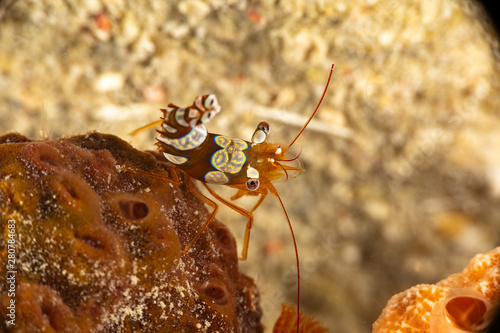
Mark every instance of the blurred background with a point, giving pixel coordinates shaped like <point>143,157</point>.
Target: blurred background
<point>402,181</point>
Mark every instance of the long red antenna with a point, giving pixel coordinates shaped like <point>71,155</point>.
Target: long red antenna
<point>296,258</point>
<point>315,110</point>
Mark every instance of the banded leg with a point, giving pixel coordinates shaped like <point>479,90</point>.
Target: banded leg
<point>242,211</point>
<point>145,127</point>
<point>246,238</point>
<point>174,180</point>
<point>209,202</point>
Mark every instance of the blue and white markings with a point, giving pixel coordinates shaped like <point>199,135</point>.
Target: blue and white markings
<point>192,140</point>
<point>175,159</point>
<point>169,128</point>
<point>216,177</point>
<point>230,159</point>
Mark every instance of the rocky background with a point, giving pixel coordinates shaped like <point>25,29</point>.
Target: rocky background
<point>403,160</point>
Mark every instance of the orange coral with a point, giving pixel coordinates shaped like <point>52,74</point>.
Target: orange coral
<point>99,249</point>
<point>287,322</point>
<point>463,302</point>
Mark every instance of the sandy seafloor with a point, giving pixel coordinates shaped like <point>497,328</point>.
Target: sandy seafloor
<point>403,160</point>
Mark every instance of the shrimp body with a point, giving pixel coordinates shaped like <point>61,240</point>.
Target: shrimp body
<point>219,159</point>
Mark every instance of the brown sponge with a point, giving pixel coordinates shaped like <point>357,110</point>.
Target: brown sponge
<point>98,248</point>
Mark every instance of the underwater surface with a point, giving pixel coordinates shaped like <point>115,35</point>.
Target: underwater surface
<point>402,161</point>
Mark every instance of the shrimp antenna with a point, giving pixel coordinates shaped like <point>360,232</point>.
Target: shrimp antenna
<point>286,173</point>
<point>296,258</point>
<point>315,110</point>
<point>293,159</point>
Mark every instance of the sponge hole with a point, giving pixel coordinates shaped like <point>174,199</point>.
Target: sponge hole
<point>133,210</point>
<point>216,291</point>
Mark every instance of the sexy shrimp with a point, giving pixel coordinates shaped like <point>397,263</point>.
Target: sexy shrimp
<point>251,167</point>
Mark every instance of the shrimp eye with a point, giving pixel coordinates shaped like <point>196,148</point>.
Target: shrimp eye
<point>207,116</point>
<point>210,101</point>
<point>252,184</point>
<point>261,133</point>
<point>264,127</point>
